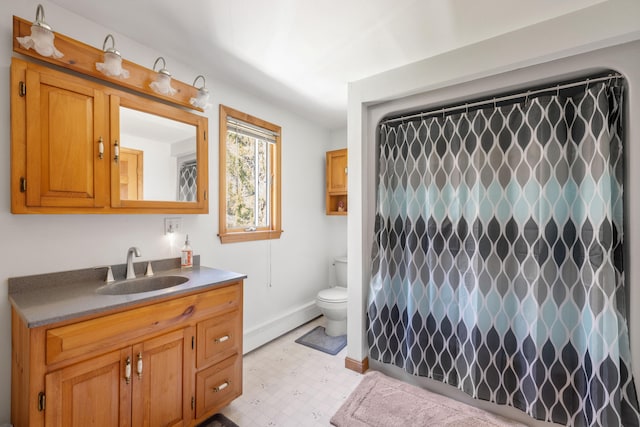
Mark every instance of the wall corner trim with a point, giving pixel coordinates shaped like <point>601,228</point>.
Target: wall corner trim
<point>359,366</point>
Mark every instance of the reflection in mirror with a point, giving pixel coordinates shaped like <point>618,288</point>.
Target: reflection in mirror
<point>157,158</point>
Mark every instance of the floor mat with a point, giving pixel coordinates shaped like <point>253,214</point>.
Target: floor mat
<point>381,401</point>
<point>218,420</point>
<point>319,340</point>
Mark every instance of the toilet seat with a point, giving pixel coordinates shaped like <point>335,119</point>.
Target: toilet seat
<point>335,295</point>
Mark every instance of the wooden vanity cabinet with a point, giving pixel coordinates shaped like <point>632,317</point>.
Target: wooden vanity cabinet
<point>171,363</point>
<point>336,177</point>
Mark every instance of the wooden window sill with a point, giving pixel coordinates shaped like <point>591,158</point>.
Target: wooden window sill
<point>247,236</point>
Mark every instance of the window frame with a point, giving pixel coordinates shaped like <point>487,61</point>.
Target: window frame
<point>275,227</point>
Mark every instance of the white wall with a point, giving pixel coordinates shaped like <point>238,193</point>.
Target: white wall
<point>337,231</point>
<point>542,53</point>
<point>283,275</point>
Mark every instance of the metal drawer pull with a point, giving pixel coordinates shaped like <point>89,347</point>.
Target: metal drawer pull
<point>139,367</point>
<point>222,339</point>
<point>221,386</point>
<point>127,370</point>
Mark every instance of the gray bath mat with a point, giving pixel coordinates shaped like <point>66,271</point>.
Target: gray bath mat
<point>218,420</point>
<point>319,340</point>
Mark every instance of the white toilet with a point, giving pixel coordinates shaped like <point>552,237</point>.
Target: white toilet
<point>333,301</point>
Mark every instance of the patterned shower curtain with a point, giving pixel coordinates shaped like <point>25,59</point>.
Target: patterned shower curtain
<point>187,182</point>
<point>498,255</point>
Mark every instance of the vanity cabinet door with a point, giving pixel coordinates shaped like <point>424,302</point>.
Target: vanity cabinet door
<point>65,122</point>
<point>160,381</point>
<point>90,393</point>
<point>218,338</point>
<point>97,392</point>
<point>218,385</point>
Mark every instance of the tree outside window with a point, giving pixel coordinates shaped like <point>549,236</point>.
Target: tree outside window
<point>249,177</point>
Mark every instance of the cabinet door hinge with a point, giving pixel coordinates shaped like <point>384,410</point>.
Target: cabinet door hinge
<point>193,403</point>
<point>193,343</point>
<point>22,89</point>
<point>205,194</point>
<point>23,184</point>
<point>205,135</point>
<point>42,401</point>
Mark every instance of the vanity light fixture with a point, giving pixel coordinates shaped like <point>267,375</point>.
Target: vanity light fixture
<point>112,65</point>
<point>202,99</point>
<point>162,84</point>
<point>41,38</point>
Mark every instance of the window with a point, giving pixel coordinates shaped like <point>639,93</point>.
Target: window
<point>249,178</point>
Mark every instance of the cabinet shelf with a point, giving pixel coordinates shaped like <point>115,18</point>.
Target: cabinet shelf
<point>334,201</point>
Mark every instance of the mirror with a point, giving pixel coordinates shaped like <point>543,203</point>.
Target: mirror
<point>157,157</point>
<point>162,160</point>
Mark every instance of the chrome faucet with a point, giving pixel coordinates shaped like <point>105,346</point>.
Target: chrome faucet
<point>131,274</point>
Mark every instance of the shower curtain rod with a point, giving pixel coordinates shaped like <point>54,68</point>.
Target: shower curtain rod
<point>495,100</point>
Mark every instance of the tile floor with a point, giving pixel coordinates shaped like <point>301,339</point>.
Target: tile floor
<point>291,385</point>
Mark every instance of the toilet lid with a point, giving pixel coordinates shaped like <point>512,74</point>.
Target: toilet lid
<point>337,294</point>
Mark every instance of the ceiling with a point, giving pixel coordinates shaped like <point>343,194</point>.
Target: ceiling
<point>300,54</point>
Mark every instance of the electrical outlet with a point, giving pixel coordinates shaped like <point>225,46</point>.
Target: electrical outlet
<point>172,225</point>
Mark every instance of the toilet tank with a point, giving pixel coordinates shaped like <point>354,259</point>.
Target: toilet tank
<point>340,264</point>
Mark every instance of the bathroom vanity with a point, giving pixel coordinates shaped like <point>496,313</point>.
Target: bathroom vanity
<point>171,356</point>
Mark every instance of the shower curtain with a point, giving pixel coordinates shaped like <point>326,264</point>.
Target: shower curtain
<point>497,264</point>
<point>187,182</point>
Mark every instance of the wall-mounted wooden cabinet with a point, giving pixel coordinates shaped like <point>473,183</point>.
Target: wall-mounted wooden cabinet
<point>67,136</point>
<point>337,172</point>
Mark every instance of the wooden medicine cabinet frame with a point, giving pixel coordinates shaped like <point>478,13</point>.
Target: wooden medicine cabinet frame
<point>98,187</point>
<point>162,110</point>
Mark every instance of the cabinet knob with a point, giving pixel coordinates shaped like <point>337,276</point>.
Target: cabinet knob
<point>127,370</point>
<point>222,339</point>
<point>139,366</point>
<point>221,386</point>
<point>100,148</point>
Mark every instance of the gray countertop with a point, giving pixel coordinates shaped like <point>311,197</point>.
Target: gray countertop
<point>50,298</point>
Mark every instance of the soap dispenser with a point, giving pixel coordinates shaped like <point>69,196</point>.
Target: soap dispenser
<point>187,255</point>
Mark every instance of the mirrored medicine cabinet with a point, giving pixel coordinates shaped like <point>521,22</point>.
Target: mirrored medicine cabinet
<point>79,146</point>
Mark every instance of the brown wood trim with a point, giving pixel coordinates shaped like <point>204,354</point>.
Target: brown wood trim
<point>359,366</point>
<point>249,236</point>
<point>82,58</point>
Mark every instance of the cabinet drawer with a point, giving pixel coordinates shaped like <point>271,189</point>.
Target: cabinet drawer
<point>218,385</point>
<point>116,330</point>
<point>218,338</point>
